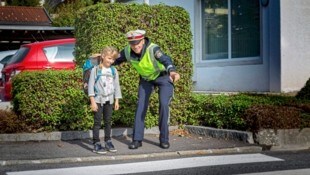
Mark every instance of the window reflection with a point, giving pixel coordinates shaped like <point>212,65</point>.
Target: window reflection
<point>216,27</point>
<point>230,29</point>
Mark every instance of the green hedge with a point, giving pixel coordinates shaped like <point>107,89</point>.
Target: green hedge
<point>11,123</point>
<point>169,27</point>
<point>304,92</point>
<point>242,110</point>
<point>51,100</point>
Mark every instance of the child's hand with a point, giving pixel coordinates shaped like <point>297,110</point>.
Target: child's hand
<point>116,105</point>
<point>94,107</point>
<point>85,85</point>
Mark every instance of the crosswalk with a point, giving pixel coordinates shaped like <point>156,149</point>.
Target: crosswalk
<point>286,172</point>
<point>151,166</point>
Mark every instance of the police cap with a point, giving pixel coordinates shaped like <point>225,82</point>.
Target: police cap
<point>135,36</point>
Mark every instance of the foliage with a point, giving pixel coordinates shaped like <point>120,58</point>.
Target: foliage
<point>272,117</point>
<point>221,111</point>
<point>250,111</point>
<point>105,24</point>
<point>30,3</point>
<point>11,123</point>
<point>66,12</point>
<point>304,93</point>
<point>51,99</point>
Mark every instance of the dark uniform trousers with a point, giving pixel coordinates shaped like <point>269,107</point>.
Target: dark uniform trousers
<point>166,88</point>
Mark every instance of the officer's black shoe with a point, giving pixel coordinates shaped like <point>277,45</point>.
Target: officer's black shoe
<point>135,144</point>
<point>165,145</point>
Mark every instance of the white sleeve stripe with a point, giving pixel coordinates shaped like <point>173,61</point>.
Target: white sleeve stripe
<point>170,66</point>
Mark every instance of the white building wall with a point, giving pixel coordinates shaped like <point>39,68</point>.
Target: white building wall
<point>295,44</point>
<point>232,79</point>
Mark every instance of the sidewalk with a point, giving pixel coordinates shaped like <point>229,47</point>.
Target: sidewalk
<point>80,150</point>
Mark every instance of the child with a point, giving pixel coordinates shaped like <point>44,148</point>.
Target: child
<point>104,91</point>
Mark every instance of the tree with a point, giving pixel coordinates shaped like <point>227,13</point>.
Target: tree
<point>29,3</point>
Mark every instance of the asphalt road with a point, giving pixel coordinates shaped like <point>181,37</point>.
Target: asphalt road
<point>271,163</point>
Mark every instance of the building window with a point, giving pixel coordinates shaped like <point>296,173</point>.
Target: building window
<point>231,29</point>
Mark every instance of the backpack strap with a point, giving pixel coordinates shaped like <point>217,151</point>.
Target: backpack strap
<point>113,71</point>
<point>98,73</point>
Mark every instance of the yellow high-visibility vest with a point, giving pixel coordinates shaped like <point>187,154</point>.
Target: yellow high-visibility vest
<point>148,67</point>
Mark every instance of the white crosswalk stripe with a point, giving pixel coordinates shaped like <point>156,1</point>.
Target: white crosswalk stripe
<point>151,166</point>
<point>285,172</point>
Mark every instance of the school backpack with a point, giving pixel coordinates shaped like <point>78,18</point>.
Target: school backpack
<point>87,67</point>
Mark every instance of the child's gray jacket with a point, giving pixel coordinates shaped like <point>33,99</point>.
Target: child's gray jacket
<point>104,87</point>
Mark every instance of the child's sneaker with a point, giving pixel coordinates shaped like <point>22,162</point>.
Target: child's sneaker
<point>109,146</point>
<point>99,149</point>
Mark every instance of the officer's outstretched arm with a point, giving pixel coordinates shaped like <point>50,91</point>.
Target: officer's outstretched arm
<point>121,58</point>
<point>164,59</point>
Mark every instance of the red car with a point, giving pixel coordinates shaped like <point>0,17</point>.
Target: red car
<point>52,54</point>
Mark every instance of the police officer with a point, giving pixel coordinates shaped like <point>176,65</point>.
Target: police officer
<point>156,69</point>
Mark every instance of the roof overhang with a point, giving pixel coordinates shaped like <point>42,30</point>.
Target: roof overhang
<point>12,36</point>
<point>18,27</point>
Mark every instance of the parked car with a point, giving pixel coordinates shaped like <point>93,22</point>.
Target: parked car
<point>52,54</point>
<point>5,60</point>
<point>4,55</point>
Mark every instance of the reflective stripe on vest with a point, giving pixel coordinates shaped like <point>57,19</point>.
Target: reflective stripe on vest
<point>148,67</point>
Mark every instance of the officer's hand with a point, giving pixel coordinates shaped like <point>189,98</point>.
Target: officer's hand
<point>174,76</point>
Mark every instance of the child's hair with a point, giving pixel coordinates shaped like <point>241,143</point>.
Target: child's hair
<point>108,50</point>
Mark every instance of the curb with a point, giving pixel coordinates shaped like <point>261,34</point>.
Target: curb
<point>70,135</point>
<point>248,149</point>
<point>227,134</point>
<point>243,136</point>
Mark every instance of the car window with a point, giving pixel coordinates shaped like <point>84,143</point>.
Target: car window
<point>50,52</point>
<point>6,53</point>
<point>6,59</point>
<point>19,55</point>
<point>59,53</point>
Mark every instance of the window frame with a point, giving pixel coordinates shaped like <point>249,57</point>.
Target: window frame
<point>227,61</point>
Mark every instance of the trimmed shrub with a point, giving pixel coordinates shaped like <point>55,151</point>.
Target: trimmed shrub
<point>272,117</point>
<point>11,123</point>
<point>304,93</point>
<point>246,111</point>
<point>53,100</point>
